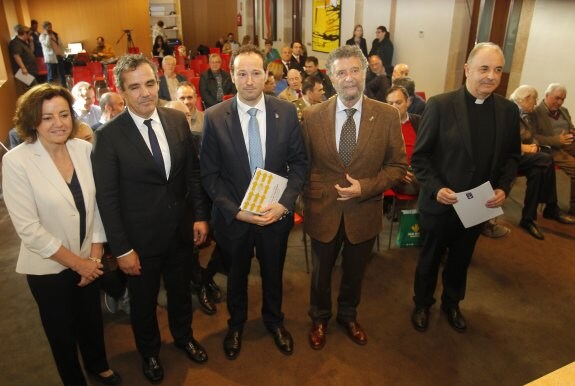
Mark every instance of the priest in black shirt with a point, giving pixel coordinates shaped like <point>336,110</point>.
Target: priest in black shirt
<point>466,137</point>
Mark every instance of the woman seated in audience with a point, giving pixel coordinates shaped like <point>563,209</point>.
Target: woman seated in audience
<point>51,198</point>
<point>537,165</point>
<point>358,40</point>
<point>161,48</point>
<point>277,69</point>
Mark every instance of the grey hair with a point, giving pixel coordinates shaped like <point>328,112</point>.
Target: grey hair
<point>555,86</point>
<point>130,63</point>
<point>345,52</point>
<point>522,92</point>
<point>481,46</point>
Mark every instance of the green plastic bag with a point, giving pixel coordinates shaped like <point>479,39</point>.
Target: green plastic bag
<point>408,234</point>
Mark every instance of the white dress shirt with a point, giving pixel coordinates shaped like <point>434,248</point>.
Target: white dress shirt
<point>341,117</point>
<point>260,116</point>
<point>160,134</point>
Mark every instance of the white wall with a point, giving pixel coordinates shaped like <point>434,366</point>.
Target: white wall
<point>375,13</point>
<point>550,55</point>
<point>426,53</point>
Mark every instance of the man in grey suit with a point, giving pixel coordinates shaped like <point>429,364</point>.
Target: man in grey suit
<point>248,131</point>
<point>556,130</point>
<point>147,178</point>
<point>466,137</point>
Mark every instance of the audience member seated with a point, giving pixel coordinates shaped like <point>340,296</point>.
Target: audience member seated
<point>103,50</point>
<point>297,56</point>
<point>311,69</point>
<point>270,53</point>
<point>186,93</point>
<point>555,129</point>
<point>215,82</point>
<point>270,84</point>
<point>161,48</point>
<point>536,163</point>
<point>285,59</point>
<point>220,43</point>
<point>313,93</point>
<point>417,105</point>
<point>84,107</point>
<point>230,46</point>
<point>293,91</point>
<point>400,70</point>
<point>111,104</point>
<point>358,40</point>
<point>398,97</point>
<point>277,68</point>
<point>170,81</point>
<point>376,80</point>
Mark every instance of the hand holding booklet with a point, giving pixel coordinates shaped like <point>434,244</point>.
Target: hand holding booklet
<point>470,206</point>
<point>265,188</point>
<point>27,79</point>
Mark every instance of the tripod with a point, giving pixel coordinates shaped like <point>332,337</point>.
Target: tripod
<point>131,47</point>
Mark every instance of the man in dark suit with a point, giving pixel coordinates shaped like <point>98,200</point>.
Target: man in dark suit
<point>248,131</point>
<point>356,152</point>
<point>215,82</point>
<point>466,137</point>
<point>147,179</point>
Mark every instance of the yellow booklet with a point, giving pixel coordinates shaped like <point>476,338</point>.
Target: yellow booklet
<point>265,188</point>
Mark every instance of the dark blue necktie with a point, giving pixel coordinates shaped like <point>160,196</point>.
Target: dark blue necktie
<point>155,145</point>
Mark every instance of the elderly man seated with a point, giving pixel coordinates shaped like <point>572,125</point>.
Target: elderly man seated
<point>536,163</point>
<point>400,70</point>
<point>170,81</point>
<point>293,92</point>
<point>555,129</point>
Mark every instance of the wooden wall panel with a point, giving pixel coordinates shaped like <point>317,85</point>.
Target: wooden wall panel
<point>204,21</point>
<point>83,21</point>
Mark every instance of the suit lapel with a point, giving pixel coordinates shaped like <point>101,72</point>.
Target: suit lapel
<point>462,119</point>
<point>366,128</point>
<point>272,119</point>
<point>50,172</point>
<point>234,128</point>
<point>171,137</point>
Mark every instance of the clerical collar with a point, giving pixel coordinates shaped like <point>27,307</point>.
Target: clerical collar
<point>475,100</point>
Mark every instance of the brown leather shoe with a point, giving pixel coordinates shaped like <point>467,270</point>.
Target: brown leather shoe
<point>317,335</point>
<point>354,331</point>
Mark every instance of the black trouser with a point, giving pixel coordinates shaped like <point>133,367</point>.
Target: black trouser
<point>354,261</point>
<point>174,267</point>
<point>72,319</point>
<point>539,170</point>
<point>440,233</point>
<point>271,244</point>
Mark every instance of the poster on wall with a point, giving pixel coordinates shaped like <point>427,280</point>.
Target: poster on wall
<point>326,23</point>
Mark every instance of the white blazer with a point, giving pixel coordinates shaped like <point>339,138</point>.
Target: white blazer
<point>42,208</point>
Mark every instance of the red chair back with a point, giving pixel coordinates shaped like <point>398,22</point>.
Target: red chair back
<point>195,80</point>
<point>180,68</point>
<point>188,74</point>
<point>215,50</point>
<point>96,68</point>
<point>227,96</point>
<point>421,94</point>
<point>199,104</point>
<point>41,65</point>
<point>82,74</point>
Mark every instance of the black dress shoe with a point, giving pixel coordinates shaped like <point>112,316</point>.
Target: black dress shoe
<point>205,302</point>
<point>354,331</point>
<point>214,291</point>
<point>532,228</point>
<point>153,370</point>
<point>455,318</point>
<point>420,318</point>
<point>282,339</point>
<point>111,380</point>
<point>232,344</point>
<point>194,350</point>
<point>560,216</point>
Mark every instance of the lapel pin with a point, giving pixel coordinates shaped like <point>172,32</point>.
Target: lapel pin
<point>277,116</point>
<point>371,118</point>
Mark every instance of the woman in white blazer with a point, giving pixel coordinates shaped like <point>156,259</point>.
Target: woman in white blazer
<point>51,198</point>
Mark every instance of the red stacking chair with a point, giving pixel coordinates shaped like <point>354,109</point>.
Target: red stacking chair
<point>180,68</point>
<point>199,104</point>
<point>41,66</point>
<point>215,50</point>
<point>96,67</point>
<point>82,74</point>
